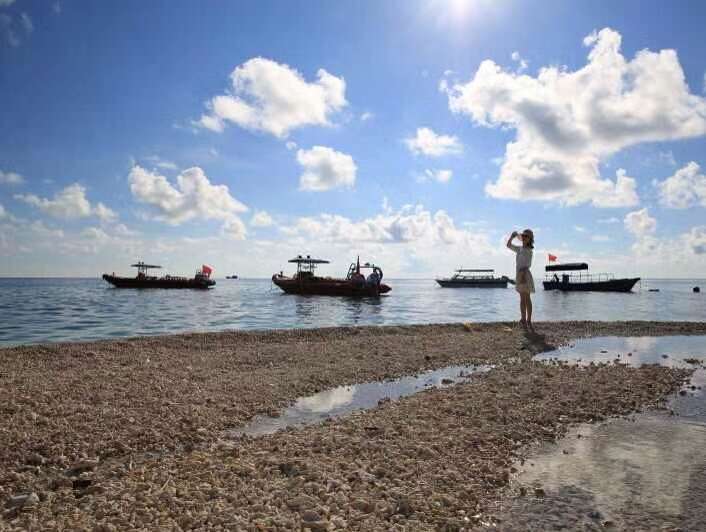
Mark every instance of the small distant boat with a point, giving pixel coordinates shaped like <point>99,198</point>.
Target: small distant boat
<point>202,279</point>
<point>305,282</point>
<point>465,278</point>
<point>584,282</point>
<point>231,276</point>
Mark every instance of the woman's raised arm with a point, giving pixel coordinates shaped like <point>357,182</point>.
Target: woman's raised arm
<point>509,241</point>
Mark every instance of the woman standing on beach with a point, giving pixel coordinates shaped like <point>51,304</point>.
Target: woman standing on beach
<point>524,283</point>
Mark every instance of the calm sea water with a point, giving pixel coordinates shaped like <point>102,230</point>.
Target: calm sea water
<point>55,310</point>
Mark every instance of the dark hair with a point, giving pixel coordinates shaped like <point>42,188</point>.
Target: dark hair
<point>530,244</point>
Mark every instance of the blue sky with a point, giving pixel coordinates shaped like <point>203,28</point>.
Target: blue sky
<point>417,134</point>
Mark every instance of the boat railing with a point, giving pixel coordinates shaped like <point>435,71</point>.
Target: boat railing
<point>580,277</point>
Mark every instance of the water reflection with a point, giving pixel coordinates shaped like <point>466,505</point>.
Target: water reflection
<point>343,400</point>
<point>326,401</point>
<point>640,473</point>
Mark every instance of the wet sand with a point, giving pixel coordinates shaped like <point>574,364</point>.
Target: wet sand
<point>130,433</point>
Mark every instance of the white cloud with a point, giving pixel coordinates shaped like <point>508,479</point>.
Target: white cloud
<point>71,202</point>
<point>568,122</point>
<point>325,168</point>
<point>696,240</point>
<point>7,32</point>
<point>274,98</point>
<point>26,23</point>
<point>640,223</point>
<point>161,163</point>
<point>193,197</point>
<point>104,213</point>
<point>10,178</point>
<point>261,219</point>
<point>409,224</point>
<point>428,143</point>
<point>440,176</point>
<point>686,188</point>
<point>56,7</point>
<point>291,145</point>
<point>235,228</point>
<point>667,157</point>
<point>600,238</point>
<point>3,212</point>
<point>611,220</point>
<point>5,3</point>
<point>123,230</point>
<point>367,115</point>
<point>579,228</point>
<point>522,63</point>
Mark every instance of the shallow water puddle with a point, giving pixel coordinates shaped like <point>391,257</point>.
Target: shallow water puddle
<point>641,473</point>
<point>343,400</point>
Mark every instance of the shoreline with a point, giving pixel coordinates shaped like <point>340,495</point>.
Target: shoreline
<point>116,400</point>
<point>612,327</point>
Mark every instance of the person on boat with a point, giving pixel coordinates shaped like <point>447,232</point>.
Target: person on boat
<point>373,279</point>
<point>524,283</point>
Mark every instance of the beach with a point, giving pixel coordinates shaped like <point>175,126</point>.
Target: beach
<point>136,433</point>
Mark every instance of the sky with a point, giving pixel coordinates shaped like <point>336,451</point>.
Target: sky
<point>416,134</point>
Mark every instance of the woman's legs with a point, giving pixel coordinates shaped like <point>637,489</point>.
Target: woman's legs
<point>528,308</point>
<point>523,308</point>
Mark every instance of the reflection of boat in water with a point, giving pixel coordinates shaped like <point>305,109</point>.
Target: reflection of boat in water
<point>585,282</point>
<point>305,282</point>
<point>202,279</point>
<point>474,279</point>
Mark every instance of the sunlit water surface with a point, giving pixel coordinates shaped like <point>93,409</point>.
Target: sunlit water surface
<point>53,310</point>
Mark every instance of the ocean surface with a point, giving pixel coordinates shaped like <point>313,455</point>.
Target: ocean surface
<point>58,310</point>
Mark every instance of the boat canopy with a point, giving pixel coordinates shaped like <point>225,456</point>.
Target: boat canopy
<point>307,260</point>
<point>474,271</point>
<point>569,266</point>
<point>144,266</point>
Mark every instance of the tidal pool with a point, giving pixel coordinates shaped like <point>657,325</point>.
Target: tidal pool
<point>343,400</point>
<point>644,472</point>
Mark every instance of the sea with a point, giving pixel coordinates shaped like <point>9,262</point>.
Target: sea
<point>39,310</point>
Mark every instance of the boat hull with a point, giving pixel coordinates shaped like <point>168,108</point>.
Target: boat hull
<point>451,283</point>
<point>328,287</point>
<point>134,282</point>
<point>612,285</point>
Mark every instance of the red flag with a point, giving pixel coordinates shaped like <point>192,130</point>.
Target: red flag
<point>206,270</point>
<point>552,258</point>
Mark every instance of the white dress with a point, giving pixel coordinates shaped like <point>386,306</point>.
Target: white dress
<point>523,261</point>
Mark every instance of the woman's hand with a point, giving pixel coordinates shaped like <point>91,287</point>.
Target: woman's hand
<point>514,234</point>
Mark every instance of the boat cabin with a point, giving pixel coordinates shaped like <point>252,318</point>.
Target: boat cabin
<point>472,274</point>
<point>581,277</point>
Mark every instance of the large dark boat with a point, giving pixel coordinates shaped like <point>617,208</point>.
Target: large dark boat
<point>202,279</point>
<point>474,279</point>
<point>584,282</point>
<point>305,282</point>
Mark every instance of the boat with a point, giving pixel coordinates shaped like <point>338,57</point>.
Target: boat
<point>584,282</point>
<point>305,282</point>
<point>474,279</point>
<point>202,279</point>
<point>231,276</point>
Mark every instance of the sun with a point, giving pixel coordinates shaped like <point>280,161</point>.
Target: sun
<point>458,12</point>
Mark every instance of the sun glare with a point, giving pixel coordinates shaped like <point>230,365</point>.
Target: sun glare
<point>458,12</point>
